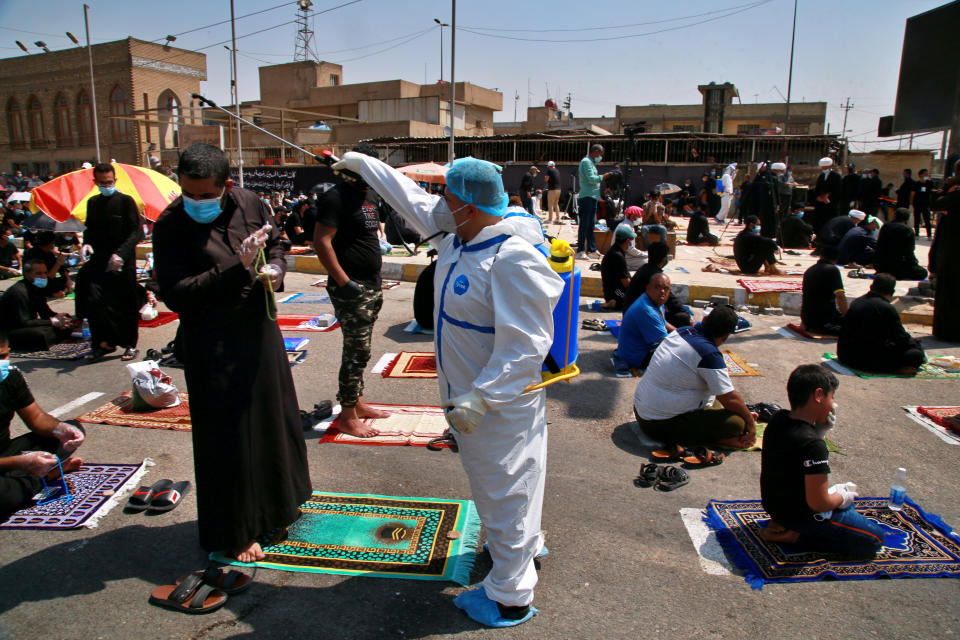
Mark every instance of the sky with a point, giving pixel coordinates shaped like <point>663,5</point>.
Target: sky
<point>632,52</point>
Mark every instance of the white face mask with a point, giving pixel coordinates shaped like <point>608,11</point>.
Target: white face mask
<point>443,217</point>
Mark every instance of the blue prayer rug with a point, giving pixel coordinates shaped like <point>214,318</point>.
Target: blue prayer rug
<point>917,545</point>
<point>307,298</point>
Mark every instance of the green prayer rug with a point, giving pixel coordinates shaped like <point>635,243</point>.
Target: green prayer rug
<point>376,536</point>
<point>927,370</point>
<point>762,427</point>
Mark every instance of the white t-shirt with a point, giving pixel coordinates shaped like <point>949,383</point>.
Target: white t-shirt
<point>686,372</point>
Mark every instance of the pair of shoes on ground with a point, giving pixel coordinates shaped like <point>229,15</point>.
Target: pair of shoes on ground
<point>201,591</point>
<point>662,477</point>
<point>320,412</point>
<point>698,457</point>
<point>98,353</point>
<point>164,495</point>
<point>594,324</point>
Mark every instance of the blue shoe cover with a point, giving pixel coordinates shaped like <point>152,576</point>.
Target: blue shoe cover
<point>544,552</point>
<point>479,607</point>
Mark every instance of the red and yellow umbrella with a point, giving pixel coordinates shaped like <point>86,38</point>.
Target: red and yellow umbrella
<point>67,195</point>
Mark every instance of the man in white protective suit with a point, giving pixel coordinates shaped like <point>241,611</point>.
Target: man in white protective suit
<point>493,318</point>
<point>726,196</point>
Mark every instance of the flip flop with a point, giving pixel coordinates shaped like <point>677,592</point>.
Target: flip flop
<point>648,475</point>
<point>141,498</point>
<point>230,582</point>
<point>677,453</point>
<point>190,596</point>
<point>670,477</point>
<point>168,499</point>
<point>703,457</point>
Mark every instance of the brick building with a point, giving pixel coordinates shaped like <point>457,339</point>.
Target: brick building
<point>47,122</point>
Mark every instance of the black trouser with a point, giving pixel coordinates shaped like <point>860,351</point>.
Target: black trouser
<point>17,488</point>
<point>34,338</point>
<point>925,214</point>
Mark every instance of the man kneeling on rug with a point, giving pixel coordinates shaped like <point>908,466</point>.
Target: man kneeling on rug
<point>794,471</point>
<point>26,459</point>
<point>686,397</point>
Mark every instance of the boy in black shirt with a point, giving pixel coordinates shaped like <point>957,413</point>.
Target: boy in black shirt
<point>794,471</point>
<point>345,239</point>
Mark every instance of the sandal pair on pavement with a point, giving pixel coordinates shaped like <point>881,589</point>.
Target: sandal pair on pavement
<point>201,591</point>
<point>699,457</point>
<point>98,353</point>
<point>662,477</point>
<point>164,495</point>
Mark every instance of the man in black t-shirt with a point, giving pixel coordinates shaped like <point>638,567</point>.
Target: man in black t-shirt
<point>905,192</point>
<point>896,249</point>
<point>295,227</point>
<point>613,269</point>
<point>526,189</point>
<point>794,232</point>
<point>754,252</point>
<point>698,229</point>
<point>25,316</point>
<point>824,300</point>
<point>26,459</point>
<point>9,256</point>
<point>922,189</point>
<point>346,242</point>
<point>795,470</point>
<point>553,193</point>
<point>59,283</point>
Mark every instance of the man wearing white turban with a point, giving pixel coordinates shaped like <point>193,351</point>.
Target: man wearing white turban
<point>827,193</point>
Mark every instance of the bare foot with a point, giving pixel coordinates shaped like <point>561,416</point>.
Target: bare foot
<point>366,411</point>
<point>249,553</point>
<point>777,533</point>
<point>351,424</point>
<point>69,466</point>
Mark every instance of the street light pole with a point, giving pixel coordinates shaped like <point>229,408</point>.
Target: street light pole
<point>442,25</point>
<point>786,120</point>
<point>93,91</point>
<point>453,84</point>
<point>236,92</point>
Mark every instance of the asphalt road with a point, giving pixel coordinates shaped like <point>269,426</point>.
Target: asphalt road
<point>622,564</point>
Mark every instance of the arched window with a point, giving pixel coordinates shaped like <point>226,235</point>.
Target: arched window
<point>168,113</point>
<point>85,119</point>
<point>61,121</point>
<point>119,107</point>
<point>15,124</point>
<point>35,121</point>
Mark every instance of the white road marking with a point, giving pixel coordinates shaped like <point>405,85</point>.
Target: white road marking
<point>82,400</point>
<point>712,558</point>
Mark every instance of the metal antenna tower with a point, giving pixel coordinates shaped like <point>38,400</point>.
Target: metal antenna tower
<point>301,50</point>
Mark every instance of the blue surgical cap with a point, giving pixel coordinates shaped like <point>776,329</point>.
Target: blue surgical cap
<point>478,182</point>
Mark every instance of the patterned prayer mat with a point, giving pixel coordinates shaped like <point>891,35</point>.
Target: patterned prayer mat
<point>307,298</point>
<point>96,489</point>
<point>296,357</point>
<point>768,286</point>
<point>384,285</point>
<point>60,351</point>
<point>413,425</point>
<point>800,331</point>
<point>918,545</point>
<point>412,364</point>
<point>737,366</point>
<point>296,322</point>
<point>163,317</point>
<point>941,428</point>
<point>731,266</point>
<point>118,412</point>
<point>379,536</point>
<point>927,371</point>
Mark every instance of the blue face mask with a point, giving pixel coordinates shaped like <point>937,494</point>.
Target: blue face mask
<point>202,211</point>
<point>40,283</point>
<point>4,369</point>
<point>598,160</point>
<point>799,214</point>
<point>107,191</point>
<point>755,231</point>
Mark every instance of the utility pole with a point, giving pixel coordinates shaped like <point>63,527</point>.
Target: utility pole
<point>236,93</point>
<point>93,91</point>
<point>843,132</point>
<point>453,83</point>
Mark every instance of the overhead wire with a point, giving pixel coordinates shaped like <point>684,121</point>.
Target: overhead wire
<point>217,24</point>
<point>411,39</point>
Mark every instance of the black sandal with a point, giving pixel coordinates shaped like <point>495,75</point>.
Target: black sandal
<point>190,596</point>
<point>97,353</point>
<point>649,473</point>
<point>670,477</point>
<point>129,354</point>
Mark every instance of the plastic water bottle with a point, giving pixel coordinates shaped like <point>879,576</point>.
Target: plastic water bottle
<point>898,491</point>
<point>85,329</point>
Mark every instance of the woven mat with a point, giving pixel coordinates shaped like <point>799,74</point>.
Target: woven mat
<point>803,333</point>
<point>918,545</point>
<point>927,371</point>
<point>731,266</point>
<point>737,366</point>
<point>947,417</point>
<point>60,351</point>
<point>96,488</point>
<point>162,318</point>
<point>117,412</point>
<point>296,357</point>
<point>384,285</point>
<point>769,286</point>
<point>412,364</point>
<point>377,536</point>
<point>297,322</point>
<point>413,425</point>
<point>948,435</point>
<point>306,298</point>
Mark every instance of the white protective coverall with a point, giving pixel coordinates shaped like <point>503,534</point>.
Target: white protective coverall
<point>493,306</point>
<point>726,198</point>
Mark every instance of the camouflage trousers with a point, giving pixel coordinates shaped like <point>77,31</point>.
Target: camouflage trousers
<point>356,317</point>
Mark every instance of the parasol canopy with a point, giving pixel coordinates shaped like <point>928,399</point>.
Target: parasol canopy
<point>67,195</point>
<point>42,222</point>
<point>426,172</point>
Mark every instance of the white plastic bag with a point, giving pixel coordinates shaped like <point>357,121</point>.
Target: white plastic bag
<point>153,386</point>
<point>148,312</point>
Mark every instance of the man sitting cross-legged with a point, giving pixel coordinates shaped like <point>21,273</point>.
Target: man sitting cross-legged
<point>686,397</point>
<point>26,459</point>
